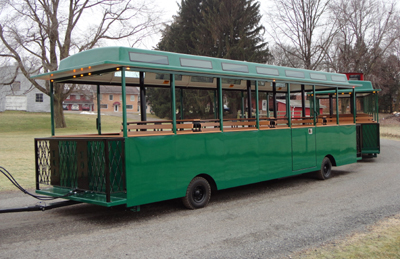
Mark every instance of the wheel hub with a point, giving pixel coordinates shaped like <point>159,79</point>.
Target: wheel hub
<point>198,194</point>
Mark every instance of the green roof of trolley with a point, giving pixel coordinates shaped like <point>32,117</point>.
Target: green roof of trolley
<point>96,66</point>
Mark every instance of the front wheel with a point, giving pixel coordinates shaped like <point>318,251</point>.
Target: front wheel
<point>198,194</point>
<point>326,169</point>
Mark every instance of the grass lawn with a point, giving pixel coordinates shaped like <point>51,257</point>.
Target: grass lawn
<point>381,241</point>
<point>18,131</point>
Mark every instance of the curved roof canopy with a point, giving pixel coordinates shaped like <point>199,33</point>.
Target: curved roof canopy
<point>365,88</point>
<point>103,66</point>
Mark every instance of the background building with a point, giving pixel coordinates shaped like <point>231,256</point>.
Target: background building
<point>111,99</point>
<point>79,101</point>
<point>20,95</point>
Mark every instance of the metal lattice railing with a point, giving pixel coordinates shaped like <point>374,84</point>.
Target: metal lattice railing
<point>96,165</point>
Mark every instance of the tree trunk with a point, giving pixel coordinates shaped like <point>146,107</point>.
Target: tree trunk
<point>59,119</point>
<point>396,107</point>
<point>344,102</point>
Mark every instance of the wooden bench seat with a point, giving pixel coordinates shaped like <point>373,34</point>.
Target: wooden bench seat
<point>148,127</point>
<point>365,120</point>
<point>148,133</point>
<point>184,126</point>
<point>209,124</point>
<point>302,122</point>
<point>236,124</point>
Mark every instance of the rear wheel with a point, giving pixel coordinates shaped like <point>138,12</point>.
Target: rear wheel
<point>326,169</point>
<point>198,194</point>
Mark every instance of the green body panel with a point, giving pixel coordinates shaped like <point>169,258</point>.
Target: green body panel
<point>337,141</point>
<point>161,167</point>
<point>304,148</point>
<point>370,139</point>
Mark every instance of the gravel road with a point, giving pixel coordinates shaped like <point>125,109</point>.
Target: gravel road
<point>266,220</point>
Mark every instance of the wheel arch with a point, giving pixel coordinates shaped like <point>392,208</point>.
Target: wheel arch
<point>333,161</point>
<point>210,180</point>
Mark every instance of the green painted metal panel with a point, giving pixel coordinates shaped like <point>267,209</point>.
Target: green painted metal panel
<point>90,57</point>
<point>361,87</point>
<point>303,150</point>
<point>370,138</point>
<point>161,167</point>
<point>337,141</point>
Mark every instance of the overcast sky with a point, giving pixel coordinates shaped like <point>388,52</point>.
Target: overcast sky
<point>170,8</point>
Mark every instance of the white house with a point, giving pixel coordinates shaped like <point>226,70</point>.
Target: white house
<point>21,95</point>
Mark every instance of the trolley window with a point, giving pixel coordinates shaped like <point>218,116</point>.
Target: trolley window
<point>235,67</point>
<point>297,74</point>
<point>148,58</point>
<point>186,62</point>
<point>339,78</point>
<point>317,76</point>
<point>267,71</point>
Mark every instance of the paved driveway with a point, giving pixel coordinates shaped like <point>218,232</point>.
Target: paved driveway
<point>265,220</point>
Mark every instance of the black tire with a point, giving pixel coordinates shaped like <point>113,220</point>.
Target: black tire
<point>326,169</point>
<point>198,194</point>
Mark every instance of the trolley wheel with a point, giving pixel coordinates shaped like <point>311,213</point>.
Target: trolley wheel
<point>198,194</point>
<point>326,169</point>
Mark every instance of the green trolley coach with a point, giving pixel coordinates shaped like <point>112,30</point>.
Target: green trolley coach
<point>150,161</point>
<point>360,107</point>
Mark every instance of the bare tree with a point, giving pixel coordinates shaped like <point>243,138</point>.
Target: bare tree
<point>38,34</point>
<point>280,56</point>
<point>367,31</point>
<point>302,30</point>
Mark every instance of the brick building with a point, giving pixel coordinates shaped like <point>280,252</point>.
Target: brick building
<point>111,99</point>
<point>79,102</point>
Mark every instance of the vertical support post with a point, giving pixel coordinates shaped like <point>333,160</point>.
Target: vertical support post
<point>288,105</point>
<point>107,170</point>
<point>36,165</point>
<point>337,106</point>
<point>242,103</point>
<point>354,104</point>
<point>330,105</point>
<point>351,103</point>
<point>377,106</point>
<point>303,102</point>
<point>314,104</point>
<point>124,120</point>
<point>257,110</point>
<point>274,99</point>
<point>220,104</point>
<point>98,111</point>
<point>267,104</point>
<point>173,104</point>
<point>215,105</point>
<point>52,107</point>
<point>249,104</point>
<point>181,110</point>
<point>142,97</point>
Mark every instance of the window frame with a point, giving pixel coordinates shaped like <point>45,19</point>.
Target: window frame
<point>39,97</point>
